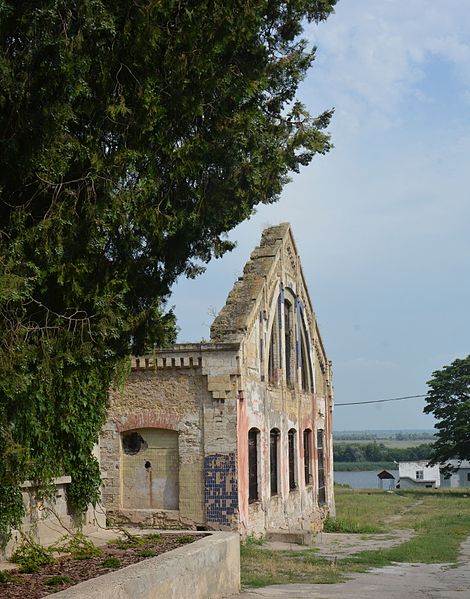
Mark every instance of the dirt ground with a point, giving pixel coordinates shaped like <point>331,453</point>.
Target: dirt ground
<point>49,579</point>
<point>398,581</point>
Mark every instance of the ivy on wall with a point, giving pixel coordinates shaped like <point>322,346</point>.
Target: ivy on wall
<point>133,136</point>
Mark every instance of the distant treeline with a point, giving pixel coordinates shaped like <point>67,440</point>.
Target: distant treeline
<point>360,466</point>
<point>368,436</point>
<point>378,452</point>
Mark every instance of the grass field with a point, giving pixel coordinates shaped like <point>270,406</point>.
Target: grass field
<point>398,443</point>
<point>440,519</point>
<point>361,466</point>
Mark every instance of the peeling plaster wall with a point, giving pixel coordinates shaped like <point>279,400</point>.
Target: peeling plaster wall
<point>212,394</point>
<point>251,311</point>
<point>190,389</point>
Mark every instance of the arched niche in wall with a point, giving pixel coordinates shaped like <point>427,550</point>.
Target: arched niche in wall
<point>150,469</point>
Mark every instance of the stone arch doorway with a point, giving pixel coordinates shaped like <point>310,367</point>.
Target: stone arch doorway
<point>150,469</point>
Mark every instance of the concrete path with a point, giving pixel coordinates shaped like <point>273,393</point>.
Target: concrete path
<point>400,581</point>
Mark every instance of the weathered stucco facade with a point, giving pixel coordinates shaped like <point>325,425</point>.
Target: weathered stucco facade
<point>235,433</point>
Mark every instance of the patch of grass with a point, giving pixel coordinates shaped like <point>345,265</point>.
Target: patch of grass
<point>263,567</point>
<point>371,508</point>
<point>349,526</point>
<point>133,541</point>
<point>252,540</point>
<point>56,580</point>
<point>437,540</point>
<point>184,540</point>
<point>441,521</point>
<point>147,553</point>
<point>112,562</point>
<point>153,536</point>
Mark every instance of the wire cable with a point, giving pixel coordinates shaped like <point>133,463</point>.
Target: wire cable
<point>359,403</point>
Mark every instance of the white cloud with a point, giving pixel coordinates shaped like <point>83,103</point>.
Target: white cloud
<point>374,53</point>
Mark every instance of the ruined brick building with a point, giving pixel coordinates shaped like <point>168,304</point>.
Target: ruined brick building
<point>235,433</point>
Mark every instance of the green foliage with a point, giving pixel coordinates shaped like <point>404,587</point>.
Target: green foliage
<point>135,540</point>
<point>5,576</point>
<point>378,452</point>
<point>448,399</point>
<point>185,539</point>
<point>349,526</point>
<point>112,562</point>
<point>360,466</point>
<point>58,580</point>
<point>135,135</point>
<point>78,546</point>
<point>30,556</point>
<point>147,553</point>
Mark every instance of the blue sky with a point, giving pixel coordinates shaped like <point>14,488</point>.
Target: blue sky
<point>382,223</point>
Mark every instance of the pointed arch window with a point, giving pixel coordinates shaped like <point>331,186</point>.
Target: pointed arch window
<point>306,373</point>
<point>292,447</point>
<point>288,340</point>
<point>321,468</point>
<point>253,452</point>
<point>307,440</point>
<point>274,437</point>
<point>275,349</point>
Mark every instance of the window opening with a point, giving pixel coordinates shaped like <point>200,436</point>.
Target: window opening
<point>273,460</point>
<point>288,340</point>
<point>291,443</point>
<point>305,364</point>
<point>253,435</point>
<point>272,344</point>
<point>419,475</point>
<point>307,456</point>
<point>132,443</point>
<point>321,469</point>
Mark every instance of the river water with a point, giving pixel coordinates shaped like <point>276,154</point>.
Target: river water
<point>365,479</point>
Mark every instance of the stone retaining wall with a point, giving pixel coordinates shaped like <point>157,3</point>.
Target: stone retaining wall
<point>205,569</point>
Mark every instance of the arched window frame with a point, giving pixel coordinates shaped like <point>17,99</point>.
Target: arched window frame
<point>254,469</point>
<point>308,447</point>
<point>274,346</point>
<point>321,467</point>
<point>304,355</point>
<point>292,447</point>
<point>274,460</point>
<point>289,337</point>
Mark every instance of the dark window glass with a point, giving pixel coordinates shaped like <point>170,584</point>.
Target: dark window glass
<point>272,346</point>
<point>273,456</point>
<point>291,442</point>
<point>288,340</point>
<point>253,465</point>
<point>307,456</point>
<point>321,469</point>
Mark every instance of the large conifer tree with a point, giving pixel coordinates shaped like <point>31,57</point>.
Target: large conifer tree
<point>133,135</point>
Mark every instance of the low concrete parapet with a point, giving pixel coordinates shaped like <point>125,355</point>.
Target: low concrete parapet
<point>205,569</point>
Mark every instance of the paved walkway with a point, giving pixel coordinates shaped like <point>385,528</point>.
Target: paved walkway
<point>400,581</point>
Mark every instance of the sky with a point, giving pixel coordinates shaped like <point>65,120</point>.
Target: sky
<point>382,222</point>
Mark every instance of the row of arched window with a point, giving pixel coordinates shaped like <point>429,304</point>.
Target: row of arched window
<point>289,344</point>
<point>254,461</point>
